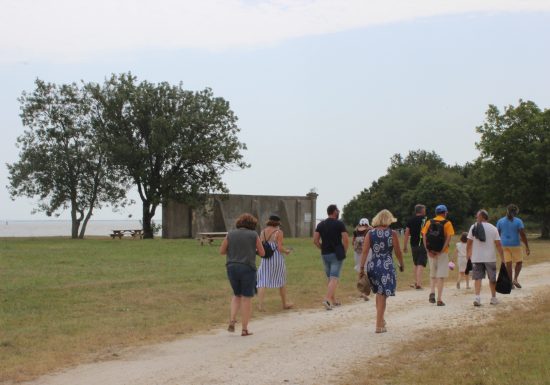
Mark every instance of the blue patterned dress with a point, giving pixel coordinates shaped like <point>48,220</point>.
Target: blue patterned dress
<point>380,269</point>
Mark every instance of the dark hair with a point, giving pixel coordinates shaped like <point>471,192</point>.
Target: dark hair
<point>484,214</point>
<point>331,209</point>
<point>464,237</point>
<point>246,221</point>
<point>418,208</point>
<point>512,210</point>
<point>272,222</point>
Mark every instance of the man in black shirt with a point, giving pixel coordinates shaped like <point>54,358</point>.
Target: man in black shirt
<point>419,254</point>
<point>332,238</point>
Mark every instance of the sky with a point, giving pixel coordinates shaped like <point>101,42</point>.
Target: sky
<point>325,91</point>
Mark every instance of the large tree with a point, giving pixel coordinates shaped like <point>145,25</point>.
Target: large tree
<point>173,143</point>
<point>61,161</point>
<point>515,159</point>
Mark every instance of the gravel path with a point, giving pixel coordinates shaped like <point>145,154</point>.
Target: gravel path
<point>299,347</point>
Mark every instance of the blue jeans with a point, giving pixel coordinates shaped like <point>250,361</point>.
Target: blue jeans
<point>332,265</point>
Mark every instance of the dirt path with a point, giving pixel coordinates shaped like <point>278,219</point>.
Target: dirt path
<point>301,347</point>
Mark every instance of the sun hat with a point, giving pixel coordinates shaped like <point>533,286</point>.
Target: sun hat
<point>363,222</point>
<point>441,209</point>
<point>274,217</point>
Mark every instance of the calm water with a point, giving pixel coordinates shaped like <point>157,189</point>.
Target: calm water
<point>52,228</point>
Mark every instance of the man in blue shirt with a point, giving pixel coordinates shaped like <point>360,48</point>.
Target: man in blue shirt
<point>511,229</point>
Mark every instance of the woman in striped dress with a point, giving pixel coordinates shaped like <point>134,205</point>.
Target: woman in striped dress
<point>272,271</point>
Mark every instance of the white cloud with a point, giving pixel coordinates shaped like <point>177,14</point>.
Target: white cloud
<point>74,29</point>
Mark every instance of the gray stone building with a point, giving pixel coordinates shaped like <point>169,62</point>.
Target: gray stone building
<point>297,214</point>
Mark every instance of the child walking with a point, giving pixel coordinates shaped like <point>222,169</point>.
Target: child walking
<point>461,261</point>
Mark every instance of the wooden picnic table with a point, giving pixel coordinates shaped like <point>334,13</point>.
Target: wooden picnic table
<point>210,237</point>
<point>134,233</point>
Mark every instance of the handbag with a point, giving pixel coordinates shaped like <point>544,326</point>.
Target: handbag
<point>504,284</point>
<point>267,246</point>
<point>363,284</point>
<point>469,267</point>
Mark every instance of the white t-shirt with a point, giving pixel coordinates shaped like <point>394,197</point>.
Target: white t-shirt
<point>461,248</point>
<point>485,251</point>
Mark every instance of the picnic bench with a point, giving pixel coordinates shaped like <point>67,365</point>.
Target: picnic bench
<point>134,233</point>
<point>210,237</point>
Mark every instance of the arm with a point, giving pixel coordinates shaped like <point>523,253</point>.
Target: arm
<point>280,237</point>
<point>447,242</point>
<point>259,247</point>
<point>469,249</point>
<point>345,240</point>
<point>406,239</point>
<point>317,240</point>
<point>397,249</point>
<point>524,240</point>
<point>498,245</point>
<point>223,246</point>
<point>364,253</point>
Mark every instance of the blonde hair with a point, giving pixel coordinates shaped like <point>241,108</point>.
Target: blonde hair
<point>383,218</point>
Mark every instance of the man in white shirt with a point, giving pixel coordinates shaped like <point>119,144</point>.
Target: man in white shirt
<point>483,242</point>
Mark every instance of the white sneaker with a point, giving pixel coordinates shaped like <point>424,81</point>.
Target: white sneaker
<point>494,301</point>
<point>477,301</point>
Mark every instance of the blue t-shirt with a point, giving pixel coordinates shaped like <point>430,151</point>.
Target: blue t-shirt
<point>509,231</point>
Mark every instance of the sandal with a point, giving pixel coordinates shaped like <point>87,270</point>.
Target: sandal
<point>246,333</point>
<point>516,284</point>
<point>381,330</point>
<point>231,327</point>
<point>440,303</point>
<point>288,306</point>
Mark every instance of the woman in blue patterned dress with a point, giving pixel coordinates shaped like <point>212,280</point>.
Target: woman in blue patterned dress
<point>380,270</point>
<point>272,271</point>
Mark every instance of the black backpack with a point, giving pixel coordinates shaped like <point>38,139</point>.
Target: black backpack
<point>435,236</point>
<point>267,246</point>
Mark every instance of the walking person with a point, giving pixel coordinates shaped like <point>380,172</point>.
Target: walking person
<point>240,246</point>
<point>357,241</point>
<point>483,243</point>
<point>419,254</point>
<point>331,237</point>
<point>272,271</point>
<point>511,229</point>
<point>436,235</point>
<point>462,261</point>
<point>383,241</point>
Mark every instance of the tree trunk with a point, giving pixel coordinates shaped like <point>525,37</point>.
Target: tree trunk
<point>545,229</point>
<point>147,219</point>
<point>85,223</point>
<point>75,221</point>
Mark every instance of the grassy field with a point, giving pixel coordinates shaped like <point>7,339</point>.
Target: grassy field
<point>504,351</point>
<point>65,301</point>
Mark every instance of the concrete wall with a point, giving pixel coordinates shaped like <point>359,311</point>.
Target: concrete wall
<point>297,214</point>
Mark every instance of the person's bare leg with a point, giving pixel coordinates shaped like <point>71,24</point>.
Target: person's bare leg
<point>419,270</point>
<point>440,282</point>
<point>331,292</point>
<point>261,296</point>
<point>517,270</point>
<point>493,287</point>
<point>432,285</point>
<point>246,311</point>
<point>467,279</point>
<point>477,287</point>
<point>380,310</point>
<point>235,307</point>
<point>286,304</point>
<point>509,270</point>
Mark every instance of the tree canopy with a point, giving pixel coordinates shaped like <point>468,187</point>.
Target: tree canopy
<point>61,161</point>
<point>173,143</point>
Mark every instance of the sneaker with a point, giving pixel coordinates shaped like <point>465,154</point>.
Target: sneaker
<point>494,301</point>
<point>431,298</point>
<point>477,302</point>
<point>327,305</point>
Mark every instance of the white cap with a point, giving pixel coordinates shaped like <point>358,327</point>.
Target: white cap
<point>364,222</point>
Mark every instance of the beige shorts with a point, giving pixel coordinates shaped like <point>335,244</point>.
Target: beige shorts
<point>513,254</point>
<point>439,266</point>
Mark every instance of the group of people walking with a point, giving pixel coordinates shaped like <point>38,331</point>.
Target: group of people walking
<point>374,245</point>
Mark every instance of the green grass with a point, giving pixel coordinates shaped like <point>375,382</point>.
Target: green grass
<point>66,301</point>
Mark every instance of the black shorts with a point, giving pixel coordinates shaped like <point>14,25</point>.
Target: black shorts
<point>420,255</point>
<point>242,279</point>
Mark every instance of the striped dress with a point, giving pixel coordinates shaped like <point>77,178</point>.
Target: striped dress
<point>272,271</point>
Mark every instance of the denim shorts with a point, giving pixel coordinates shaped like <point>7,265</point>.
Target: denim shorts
<point>242,279</point>
<point>332,265</point>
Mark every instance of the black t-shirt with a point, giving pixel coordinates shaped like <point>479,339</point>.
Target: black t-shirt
<point>415,226</point>
<point>331,234</point>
